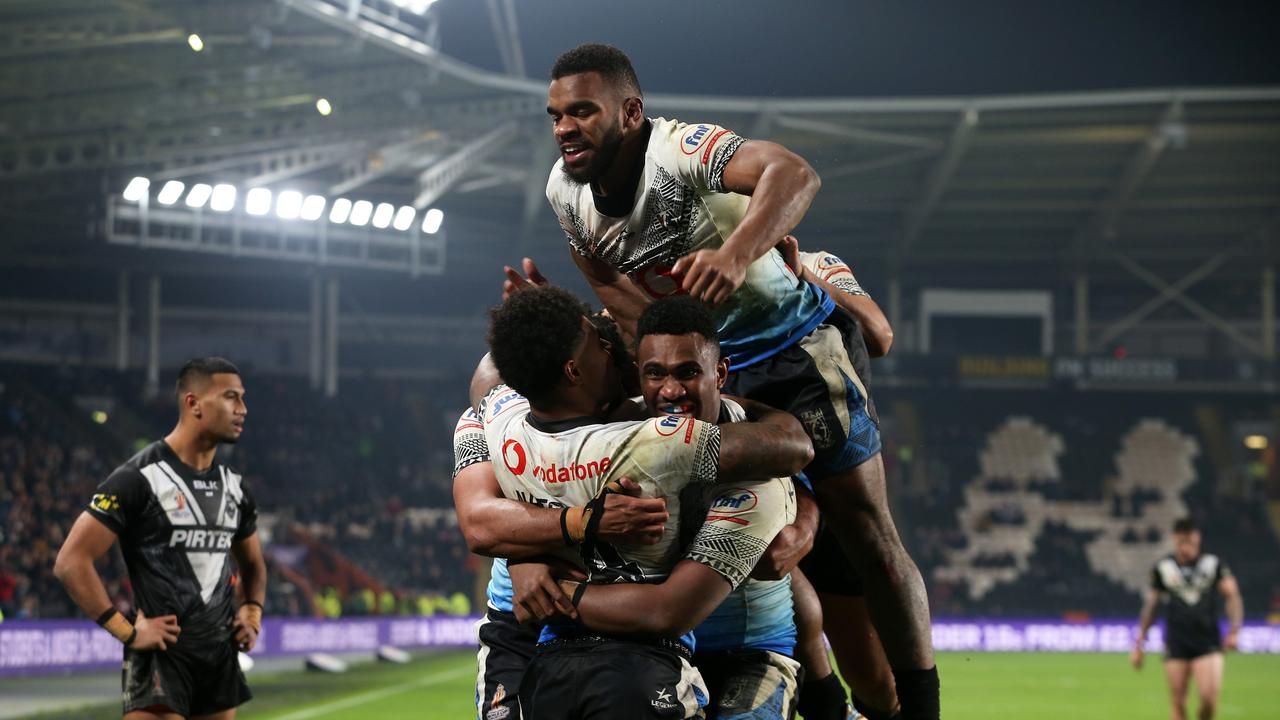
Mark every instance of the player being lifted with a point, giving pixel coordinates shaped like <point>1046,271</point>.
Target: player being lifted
<point>653,207</point>
<point>1189,583</point>
<point>553,449</point>
<point>179,514</point>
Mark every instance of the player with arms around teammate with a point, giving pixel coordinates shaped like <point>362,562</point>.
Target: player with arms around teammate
<point>179,515</point>
<point>653,207</point>
<point>554,449</point>
<point>1189,581</point>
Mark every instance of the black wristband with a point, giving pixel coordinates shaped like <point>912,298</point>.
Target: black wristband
<point>107,615</point>
<point>252,602</point>
<point>596,508</point>
<point>564,527</point>
<point>132,636</point>
<point>577,593</point>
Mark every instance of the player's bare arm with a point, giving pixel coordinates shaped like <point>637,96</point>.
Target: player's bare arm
<point>877,333</point>
<point>792,542</point>
<point>253,582</point>
<point>496,526</point>
<point>781,185</point>
<point>676,606</point>
<point>1145,619</point>
<point>770,444</point>
<point>1230,590</point>
<point>617,293</point>
<point>88,541</point>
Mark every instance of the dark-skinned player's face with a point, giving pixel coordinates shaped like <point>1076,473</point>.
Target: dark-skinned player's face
<point>1186,546</point>
<point>588,116</point>
<point>596,370</point>
<point>217,407</point>
<point>682,375</point>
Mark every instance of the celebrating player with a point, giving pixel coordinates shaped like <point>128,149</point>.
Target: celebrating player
<point>178,513</point>
<point>656,207</point>
<point>554,450</point>
<point>1189,582</point>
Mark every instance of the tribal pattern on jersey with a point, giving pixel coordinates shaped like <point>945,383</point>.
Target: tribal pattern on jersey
<point>176,527</point>
<point>470,448</point>
<point>681,206</point>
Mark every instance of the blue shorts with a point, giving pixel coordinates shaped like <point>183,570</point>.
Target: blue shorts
<point>819,380</point>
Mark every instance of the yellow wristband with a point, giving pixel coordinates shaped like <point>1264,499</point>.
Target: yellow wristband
<point>120,628</point>
<point>575,522</point>
<point>251,614</point>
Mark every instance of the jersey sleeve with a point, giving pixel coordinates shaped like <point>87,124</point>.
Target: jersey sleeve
<point>741,522</point>
<point>1157,583</point>
<point>832,269</point>
<point>120,501</point>
<point>675,451</point>
<point>248,507</point>
<point>1223,571</point>
<point>699,153</point>
<point>469,445</point>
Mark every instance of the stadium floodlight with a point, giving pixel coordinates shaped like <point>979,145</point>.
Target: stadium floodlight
<point>313,207</point>
<point>360,213</point>
<point>224,197</point>
<point>289,204</point>
<point>195,42</point>
<point>404,217</point>
<point>383,214</point>
<point>323,106</point>
<point>1256,442</point>
<point>432,220</point>
<point>199,195</point>
<point>340,211</point>
<point>258,201</point>
<point>170,193</point>
<point>136,189</point>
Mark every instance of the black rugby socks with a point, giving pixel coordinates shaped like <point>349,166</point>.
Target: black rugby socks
<point>918,693</point>
<point>823,699</point>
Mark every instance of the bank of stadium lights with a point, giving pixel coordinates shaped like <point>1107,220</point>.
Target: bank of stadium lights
<point>288,205</point>
<point>417,7</point>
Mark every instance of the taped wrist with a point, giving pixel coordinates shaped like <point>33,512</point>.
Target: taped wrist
<point>579,524</point>
<point>251,615</point>
<point>573,589</point>
<point>116,624</point>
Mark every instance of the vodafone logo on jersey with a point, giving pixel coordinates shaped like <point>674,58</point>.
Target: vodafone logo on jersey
<point>589,470</point>
<point>657,281</point>
<point>513,456</point>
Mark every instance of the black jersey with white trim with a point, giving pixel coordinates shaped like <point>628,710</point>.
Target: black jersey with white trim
<point>1191,598</point>
<point>176,526</point>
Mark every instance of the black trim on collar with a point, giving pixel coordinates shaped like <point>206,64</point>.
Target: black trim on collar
<point>552,427</point>
<point>621,203</point>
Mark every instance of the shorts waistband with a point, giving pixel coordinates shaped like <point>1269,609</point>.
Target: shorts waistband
<point>586,641</point>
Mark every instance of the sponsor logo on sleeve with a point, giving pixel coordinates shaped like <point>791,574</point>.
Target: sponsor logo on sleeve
<point>734,501</point>
<point>669,425</point>
<point>504,402</point>
<point>105,503</point>
<point>693,136</point>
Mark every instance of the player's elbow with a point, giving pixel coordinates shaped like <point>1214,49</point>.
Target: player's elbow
<point>879,340</point>
<point>668,619</point>
<point>64,565</point>
<point>479,541</point>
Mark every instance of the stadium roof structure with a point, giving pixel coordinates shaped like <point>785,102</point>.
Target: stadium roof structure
<point>94,93</point>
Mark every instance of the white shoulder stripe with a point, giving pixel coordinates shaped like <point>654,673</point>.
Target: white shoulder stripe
<point>182,488</point>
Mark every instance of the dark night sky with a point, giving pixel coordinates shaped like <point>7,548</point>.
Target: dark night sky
<point>887,48</point>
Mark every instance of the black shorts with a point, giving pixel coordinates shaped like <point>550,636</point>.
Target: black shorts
<point>750,684</point>
<point>196,680</point>
<point>506,648</point>
<point>828,568</point>
<point>610,680</point>
<point>818,381</point>
<point>1176,648</point>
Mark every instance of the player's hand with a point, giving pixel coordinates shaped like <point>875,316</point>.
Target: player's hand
<point>789,247</point>
<point>1232,641</point>
<point>786,551</point>
<point>246,633</point>
<point>516,282</point>
<point>536,595</point>
<point>631,520</point>
<point>710,275</point>
<point>156,633</point>
<point>1135,657</point>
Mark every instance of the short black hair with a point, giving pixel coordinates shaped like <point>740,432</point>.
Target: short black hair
<point>678,315</point>
<point>532,334</point>
<point>201,369</point>
<point>1185,525</point>
<point>612,64</point>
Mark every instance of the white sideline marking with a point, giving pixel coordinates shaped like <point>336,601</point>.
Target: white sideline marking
<point>372,695</point>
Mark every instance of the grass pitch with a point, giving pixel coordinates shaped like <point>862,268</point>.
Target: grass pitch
<point>977,686</point>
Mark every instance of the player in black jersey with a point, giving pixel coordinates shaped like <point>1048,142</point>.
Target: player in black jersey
<point>1189,581</point>
<point>178,514</point>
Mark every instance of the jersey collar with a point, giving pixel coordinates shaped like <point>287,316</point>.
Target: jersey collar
<point>620,204</point>
<point>551,427</point>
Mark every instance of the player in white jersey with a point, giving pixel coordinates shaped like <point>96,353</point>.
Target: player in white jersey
<point>653,207</point>
<point>555,451</point>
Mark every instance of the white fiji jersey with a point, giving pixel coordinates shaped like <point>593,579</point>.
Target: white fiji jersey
<point>571,466</point>
<point>832,269</point>
<point>680,206</point>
